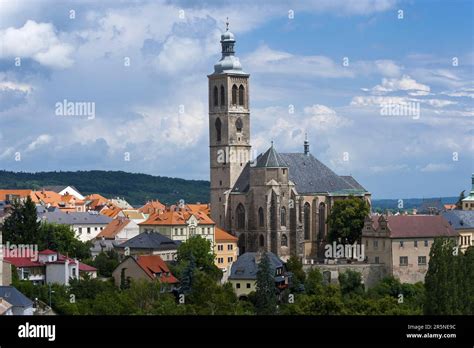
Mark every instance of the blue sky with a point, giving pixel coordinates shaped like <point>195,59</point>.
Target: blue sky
<point>154,111</point>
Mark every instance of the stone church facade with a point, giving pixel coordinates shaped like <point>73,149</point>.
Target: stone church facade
<point>279,201</point>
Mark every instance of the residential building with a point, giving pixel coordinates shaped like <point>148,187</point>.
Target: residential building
<point>463,223</point>
<point>50,267</point>
<point>133,214</point>
<point>179,225</point>
<point>148,267</point>
<point>65,190</point>
<point>279,201</point>
<point>117,231</point>
<point>86,225</point>
<point>149,243</point>
<point>468,202</point>
<point>243,275</point>
<point>20,304</point>
<point>152,207</point>
<point>120,203</point>
<point>403,242</point>
<point>225,249</point>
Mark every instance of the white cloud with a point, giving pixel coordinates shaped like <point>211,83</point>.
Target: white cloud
<point>37,41</point>
<point>405,83</point>
<point>436,167</point>
<point>43,139</point>
<point>389,168</point>
<point>180,54</point>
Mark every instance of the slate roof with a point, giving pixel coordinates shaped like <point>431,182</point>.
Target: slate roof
<point>270,159</point>
<point>460,219</point>
<point>242,183</point>
<point>74,218</point>
<point>246,268</point>
<point>150,240</point>
<point>14,297</point>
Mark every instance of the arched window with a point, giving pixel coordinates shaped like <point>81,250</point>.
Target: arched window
<point>218,129</point>
<point>216,95</point>
<point>239,125</point>
<point>261,219</point>
<point>234,95</point>
<point>322,221</point>
<point>283,216</point>
<point>307,221</point>
<point>222,96</point>
<point>284,240</point>
<point>261,241</point>
<point>240,213</point>
<point>241,95</point>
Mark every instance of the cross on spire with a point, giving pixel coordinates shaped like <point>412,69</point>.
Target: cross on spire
<point>227,24</point>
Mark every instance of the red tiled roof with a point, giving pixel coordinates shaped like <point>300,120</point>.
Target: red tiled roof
<point>153,264</point>
<point>152,207</point>
<point>47,252</point>
<point>86,268</point>
<point>413,226</point>
<point>171,218</point>
<point>222,236</point>
<point>113,228</point>
<point>23,262</point>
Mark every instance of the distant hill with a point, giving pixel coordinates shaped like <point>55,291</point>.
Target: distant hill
<point>139,188</point>
<point>136,188</point>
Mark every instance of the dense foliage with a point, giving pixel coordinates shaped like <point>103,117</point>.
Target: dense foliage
<point>135,188</point>
<point>347,219</point>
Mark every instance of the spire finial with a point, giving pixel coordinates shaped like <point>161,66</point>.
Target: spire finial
<point>306,144</point>
<point>227,24</point>
<point>272,143</point>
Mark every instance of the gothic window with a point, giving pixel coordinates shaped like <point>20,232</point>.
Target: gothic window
<point>222,96</point>
<point>307,221</point>
<point>283,216</point>
<point>216,94</point>
<point>322,221</point>
<point>239,125</point>
<point>261,241</point>
<point>234,95</point>
<point>260,217</point>
<point>240,217</point>
<point>284,240</point>
<point>218,129</point>
<point>241,95</point>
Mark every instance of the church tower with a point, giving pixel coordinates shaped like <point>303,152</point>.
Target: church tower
<point>229,128</point>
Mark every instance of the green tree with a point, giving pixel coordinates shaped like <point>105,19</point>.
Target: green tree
<point>350,282</point>
<point>295,266</point>
<point>188,275</point>
<point>21,227</point>
<point>201,250</point>
<point>459,202</point>
<point>62,238</point>
<point>105,262</point>
<point>265,296</point>
<point>314,282</point>
<point>346,219</point>
<point>443,281</point>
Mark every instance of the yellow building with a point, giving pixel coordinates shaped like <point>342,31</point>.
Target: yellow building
<point>225,248</point>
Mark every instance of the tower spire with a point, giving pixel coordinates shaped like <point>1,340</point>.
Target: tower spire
<point>306,144</point>
<point>227,24</point>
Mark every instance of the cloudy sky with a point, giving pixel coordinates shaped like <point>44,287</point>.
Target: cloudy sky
<point>324,67</point>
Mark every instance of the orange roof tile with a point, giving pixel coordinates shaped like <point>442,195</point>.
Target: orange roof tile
<point>153,265</point>
<point>199,207</point>
<point>222,236</point>
<point>110,212</point>
<point>152,207</point>
<point>20,193</point>
<point>113,228</point>
<point>171,218</point>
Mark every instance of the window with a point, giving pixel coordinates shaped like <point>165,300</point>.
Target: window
<point>80,230</point>
<point>241,95</point>
<point>261,241</point>
<point>377,259</point>
<point>230,259</point>
<point>421,260</point>
<point>88,230</point>
<point>283,216</point>
<point>230,247</point>
<point>220,260</point>
<point>220,247</point>
<point>322,221</point>
<point>234,95</point>
<point>218,125</point>
<point>376,244</point>
<point>95,229</point>
<point>366,243</point>
<point>415,243</point>
<point>284,240</point>
<point>307,220</point>
<point>401,244</point>
<point>237,285</point>
<point>248,285</point>
<point>426,243</point>
<point>260,217</point>
<point>239,125</point>
<point>403,260</point>
<point>181,231</point>
<point>240,217</point>
<point>222,96</point>
<point>216,94</point>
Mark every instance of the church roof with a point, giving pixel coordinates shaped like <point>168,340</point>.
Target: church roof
<point>270,159</point>
<point>312,176</point>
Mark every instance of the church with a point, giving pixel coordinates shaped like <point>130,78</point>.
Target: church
<point>278,202</point>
